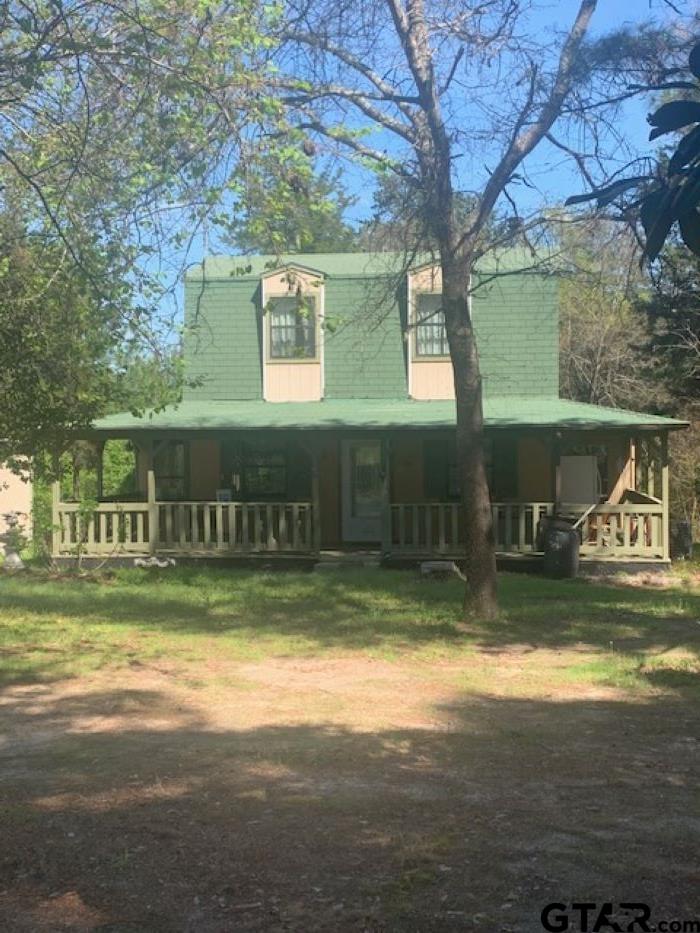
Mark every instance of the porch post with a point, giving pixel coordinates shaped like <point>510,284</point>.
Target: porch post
<point>556,471</point>
<point>99,452</point>
<point>152,511</point>
<point>665,496</point>
<point>315,498</point>
<point>55,518</point>
<point>145,455</point>
<point>386,497</point>
<point>633,463</point>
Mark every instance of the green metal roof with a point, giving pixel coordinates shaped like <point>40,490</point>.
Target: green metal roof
<point>499,412</point>
<point>350,265</point>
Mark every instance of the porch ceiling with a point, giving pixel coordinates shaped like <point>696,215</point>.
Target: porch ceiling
<point>369,414</point>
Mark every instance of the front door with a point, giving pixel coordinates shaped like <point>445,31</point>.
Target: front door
<point>363,490</point>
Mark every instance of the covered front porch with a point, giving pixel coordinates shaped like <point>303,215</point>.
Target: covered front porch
<point>289,491</point>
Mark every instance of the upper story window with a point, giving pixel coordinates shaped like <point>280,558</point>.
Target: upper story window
<point>431,336</point>
<point>292,328</point>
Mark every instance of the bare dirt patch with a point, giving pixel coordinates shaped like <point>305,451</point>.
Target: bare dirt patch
<point>341,794</point>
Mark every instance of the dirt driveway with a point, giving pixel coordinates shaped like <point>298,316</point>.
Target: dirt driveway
<point>342,794</point>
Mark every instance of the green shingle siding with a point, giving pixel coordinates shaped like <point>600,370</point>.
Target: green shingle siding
<point>515,317</point>
<point>364,348</point>
<point>222,340</point>
<point>517,325</point>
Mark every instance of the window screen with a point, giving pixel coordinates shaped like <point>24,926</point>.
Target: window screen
<point>292,328</point>
<point>431,337</point>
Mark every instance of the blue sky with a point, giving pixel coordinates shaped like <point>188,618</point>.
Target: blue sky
<point>552,175</point>
<point>555,178</point>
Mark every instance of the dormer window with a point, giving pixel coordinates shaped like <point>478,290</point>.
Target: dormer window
<point>292,323</point>
<point>431,335</point>
<point>292,306</point>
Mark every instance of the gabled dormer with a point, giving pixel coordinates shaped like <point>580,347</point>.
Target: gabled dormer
<point>430,373</point>
<point>292,300</point>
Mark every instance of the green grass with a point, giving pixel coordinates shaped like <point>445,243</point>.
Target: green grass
<point>53,627</point>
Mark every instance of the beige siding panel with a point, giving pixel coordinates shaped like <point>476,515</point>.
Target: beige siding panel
<point>429,379</point>
<point>15,496</point>
<point>293,382</point>
<point>534,470</point>
<point>428,279</point>
<point>286,282</point>
<point>205,469</point>
<point>329,492</point>
<point>432,379</point>
<point>407,469</point>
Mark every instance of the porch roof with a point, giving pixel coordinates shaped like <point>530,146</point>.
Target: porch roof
<point>339,414</point>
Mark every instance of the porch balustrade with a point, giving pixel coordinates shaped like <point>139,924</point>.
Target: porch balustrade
<point>235,526</point>
<point>607,531</point>
<point>133,528</point>
<point>440,527</point>
<point>109,528</point>
<point>622,531</point>
<point>412,529</point>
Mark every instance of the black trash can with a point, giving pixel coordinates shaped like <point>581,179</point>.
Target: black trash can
<point>561,543</point>
<point>682,541</point>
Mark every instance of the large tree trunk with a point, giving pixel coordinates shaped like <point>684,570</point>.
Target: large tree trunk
<point>480,560</point>
<point>456,261</point>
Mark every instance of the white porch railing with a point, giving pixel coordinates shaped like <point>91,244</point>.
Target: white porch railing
<point>217,528</point>
<point>235,526</point>
<point>440,527</point>
<point>613,532</point>
<point>110,528</point>
<point>624,531</point>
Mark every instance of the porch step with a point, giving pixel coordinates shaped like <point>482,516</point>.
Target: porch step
<point>342,560</point>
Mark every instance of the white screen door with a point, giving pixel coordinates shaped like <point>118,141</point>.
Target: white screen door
<point>363,490</point>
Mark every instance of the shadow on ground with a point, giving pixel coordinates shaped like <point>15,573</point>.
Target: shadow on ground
<point>473,821</point>
<point>356,610</point>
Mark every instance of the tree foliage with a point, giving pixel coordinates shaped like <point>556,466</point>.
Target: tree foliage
<point>293,206</point>
<point>126,130</point>
<point>605,356</point>
<point>129,130</point>
<point>397,219</point>
<point>55,347</point>
<point>65,356</point>
<point>669,197</point>
<point>672,306</point>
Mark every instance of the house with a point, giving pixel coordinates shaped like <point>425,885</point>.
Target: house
<point>320,416</point>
